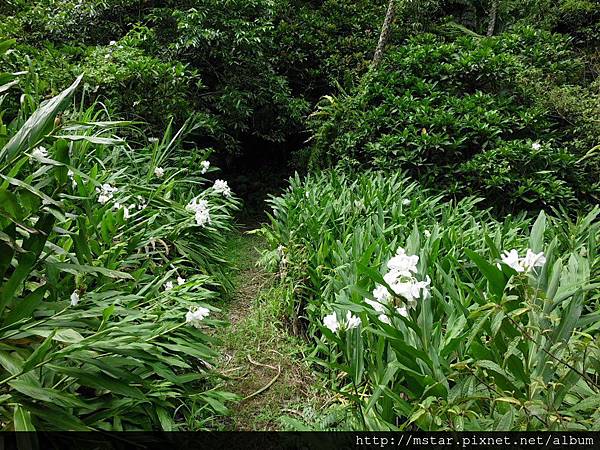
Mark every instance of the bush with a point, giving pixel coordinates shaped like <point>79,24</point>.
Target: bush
<point>476,343</point>
<point>161,60</point>
<point>107,279</point>
<point>438,109</point>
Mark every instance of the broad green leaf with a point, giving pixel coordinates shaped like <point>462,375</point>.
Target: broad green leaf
<point>494,276</point>
<point>22,419</point>
<point>38,125</point>
<point>39,354</point>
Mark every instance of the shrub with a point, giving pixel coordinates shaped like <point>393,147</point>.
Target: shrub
<point>161,60</point>
<point>438,109</point>
<point>462,336</point>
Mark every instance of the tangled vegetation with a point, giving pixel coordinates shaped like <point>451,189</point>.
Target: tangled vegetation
<point>436,250</point>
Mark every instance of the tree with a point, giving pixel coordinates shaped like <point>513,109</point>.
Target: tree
<point>492,17</point>
<point>386,31</point>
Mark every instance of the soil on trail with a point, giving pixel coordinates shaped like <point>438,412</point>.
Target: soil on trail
<point>262,363</point>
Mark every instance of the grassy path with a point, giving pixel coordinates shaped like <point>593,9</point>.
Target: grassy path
<point>263,364</point>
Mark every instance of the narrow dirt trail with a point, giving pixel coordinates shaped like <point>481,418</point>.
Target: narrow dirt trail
<point>263,364</point>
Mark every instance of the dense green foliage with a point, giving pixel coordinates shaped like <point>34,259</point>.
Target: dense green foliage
<point>92,239</point>
<point>249,68</point>
<point>457,147</point>
<point>466,117</point>
<point>489,348</point>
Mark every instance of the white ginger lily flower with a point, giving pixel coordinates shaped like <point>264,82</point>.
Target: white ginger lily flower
<point>201,211</point>
<point>221,187</point>
<point>384,319</point>
<point>195,317</point>
<point>511,259</point>
<point>204,167</point>
<point>381,294</point>
<point>74,298</point>
<point>106,192</point>
<point>331,322</point>
<point>403,264</point>
<point>352,321</point>
<point>39,152</point>
<point>402,310</point>
<point>533,259</point>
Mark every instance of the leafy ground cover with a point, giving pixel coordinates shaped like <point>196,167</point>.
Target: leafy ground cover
<point>433,315</point>
<point>110,277</point>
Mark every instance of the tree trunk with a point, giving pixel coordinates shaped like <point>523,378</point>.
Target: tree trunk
<point>384,37</point>
<point>493,14</point>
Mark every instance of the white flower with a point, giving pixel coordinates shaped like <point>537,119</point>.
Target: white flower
<point>195,317</point>
<point>427,234</point>
<point>384,319</point>
<point>403,311</point>
<point>221,187</point>
<point>511,259</point>
<point>168,285</point>
<point>331,322</point>
<point>377,306</point>
<point>205,165</point>
<point>200,210</point>
<point>381,294</point>
<point>421,288</point>
<point>106,56</point>
<point>103,199</point>
<point>152,140</point>
<point>159,172</point>
<point>142,203</point>
<point>402,282</point>
<point>74,298</point>
<point>532,260</point>
<point>71,176</point>
<point>406,290</point>
<point>352,321</point>
<point>536,146</point>
<point>39,152</point>
<point>126,214</point>
<point>112,43</point>
<point>403,264</point>
<point>106,192</point>
<point>406,202</point>
<point>180,281</point>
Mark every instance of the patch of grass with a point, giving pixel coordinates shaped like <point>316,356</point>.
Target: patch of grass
<point>258,352</point>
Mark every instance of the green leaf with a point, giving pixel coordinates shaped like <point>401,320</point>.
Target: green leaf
<point>33,247</point>
<point>83,268</point>
<point>22,419</point>
<point>49,395</point>
<point>38,355</point>
<point>494,276</point>
<point>24,308</point>
<point>92,139</point>
<point>536,239</point>
<point>38,125</point>
<point>506,421</point>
